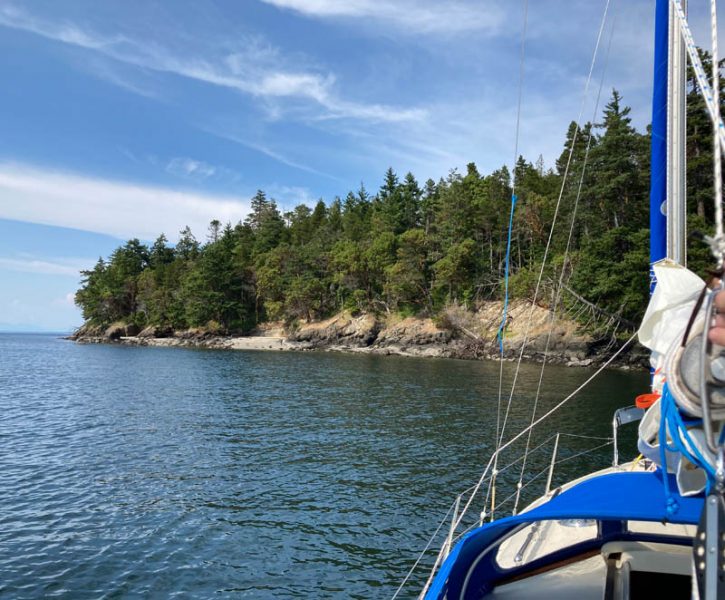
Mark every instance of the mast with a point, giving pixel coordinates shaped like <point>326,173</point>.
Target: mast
<point>658,176</point>
<point>677,137</point>
<point>668,223</point>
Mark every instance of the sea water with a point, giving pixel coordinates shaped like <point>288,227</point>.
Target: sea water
<point>166,472</point>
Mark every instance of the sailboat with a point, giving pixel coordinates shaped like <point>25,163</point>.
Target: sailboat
<point>655,525</point>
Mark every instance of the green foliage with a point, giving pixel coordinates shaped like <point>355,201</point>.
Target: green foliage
<point>407,279</point>
<point>522,284</point>
<point>613,271</point>
<point>414,249</point>
<point>453,272</point>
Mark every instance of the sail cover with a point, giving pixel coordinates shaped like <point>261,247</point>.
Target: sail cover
<point>663,326</point>
<point>668,312</point>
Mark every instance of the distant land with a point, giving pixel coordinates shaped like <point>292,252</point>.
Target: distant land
<point>27,328</point>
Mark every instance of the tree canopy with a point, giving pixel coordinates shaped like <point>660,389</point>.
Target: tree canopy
<point>412,248</point>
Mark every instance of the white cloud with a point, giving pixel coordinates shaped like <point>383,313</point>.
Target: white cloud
<point>259,71</point>
<point>414,16</point>
<point>65,301</point>
<point>108,71</point>
<point>190,168</point>
<point>66,32</point>
<point>116,208</point>
<point>304,85</point>
<point>45,267</point>
<point>290,196</point>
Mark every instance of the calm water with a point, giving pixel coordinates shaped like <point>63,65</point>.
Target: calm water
<point>168,472</point>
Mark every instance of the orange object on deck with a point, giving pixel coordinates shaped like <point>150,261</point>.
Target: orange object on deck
<point>646,400</point>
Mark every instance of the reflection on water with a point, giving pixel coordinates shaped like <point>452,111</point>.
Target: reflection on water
<point>151,471</point>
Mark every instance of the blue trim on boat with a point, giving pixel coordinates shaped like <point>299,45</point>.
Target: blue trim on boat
<point>611,499</point>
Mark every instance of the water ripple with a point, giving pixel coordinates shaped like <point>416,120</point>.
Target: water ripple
<point>176,473</point>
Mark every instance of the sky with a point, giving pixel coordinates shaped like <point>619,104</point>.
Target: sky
<point>130,118</point>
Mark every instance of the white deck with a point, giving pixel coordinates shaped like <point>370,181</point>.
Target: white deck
<point>586,577</point>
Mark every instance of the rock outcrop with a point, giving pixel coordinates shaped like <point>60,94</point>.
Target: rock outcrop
<point>155,331</point>
<point>457,333</point>
<point>341,331</point>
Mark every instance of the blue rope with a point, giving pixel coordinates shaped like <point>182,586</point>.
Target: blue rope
<point>677,424</point>
<point>499,335</point>
<point>671,504</point>
<point>672,419</point>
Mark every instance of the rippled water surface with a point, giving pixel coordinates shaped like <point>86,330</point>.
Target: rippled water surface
<point>167,472</point>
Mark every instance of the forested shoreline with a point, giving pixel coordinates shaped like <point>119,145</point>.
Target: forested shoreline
<point>414,249</point>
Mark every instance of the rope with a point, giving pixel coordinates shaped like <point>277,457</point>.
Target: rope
<point>680,442</point>
<point>522,63</point>
<point>475,488</point>
<point>519,488</point>
<point>502,327</point>
<point>420,556</point>
<point>568,244</point>
<point>545,416</point>
<point>438,560</point>
<point>671,505</point>
<point>583,452</point>
<point>553,225</point>
<point>587,437</point>
<point>504,318</point>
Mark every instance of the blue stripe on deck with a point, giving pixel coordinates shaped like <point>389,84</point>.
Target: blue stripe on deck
<point>616,497</point>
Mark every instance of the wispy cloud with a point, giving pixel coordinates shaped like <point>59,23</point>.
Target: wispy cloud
<point>414,16</point>
<point>290,196</point>
<point>46,267</point>
<point>264,149</point>
<point>259,71</point>
<point>197,171</point>
<point>116,208</point>
<point>109,71</point>
<point>190,168</point>
<point>69,33</point>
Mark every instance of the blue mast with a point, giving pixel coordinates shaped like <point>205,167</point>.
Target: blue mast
<point>658,181</point>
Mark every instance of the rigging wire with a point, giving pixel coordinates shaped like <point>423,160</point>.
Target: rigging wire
<point>558,462</point>
<point>420,556</point>
<point>551,230</point>
<point>716,143</point>
<point>474,489</point>
<point>711,96</point>
<point>696,64</point>
<point>608,442</point>
<point>504,318</point>
<point>542,418</point>
<point>560,285</point>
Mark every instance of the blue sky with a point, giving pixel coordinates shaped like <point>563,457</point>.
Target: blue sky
<point>129,118</point>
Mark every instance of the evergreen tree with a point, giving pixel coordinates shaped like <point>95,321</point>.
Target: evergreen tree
<point>415,250</point>
<point>93,297</point>
<point>160,254</point>
<point>388,206</point>
<point>187,248</point>
<point>258,209</point>
<point>410,203</point>
<point>618,192</point>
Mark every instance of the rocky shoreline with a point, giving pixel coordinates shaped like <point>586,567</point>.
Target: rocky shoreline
<point>460,334</point>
